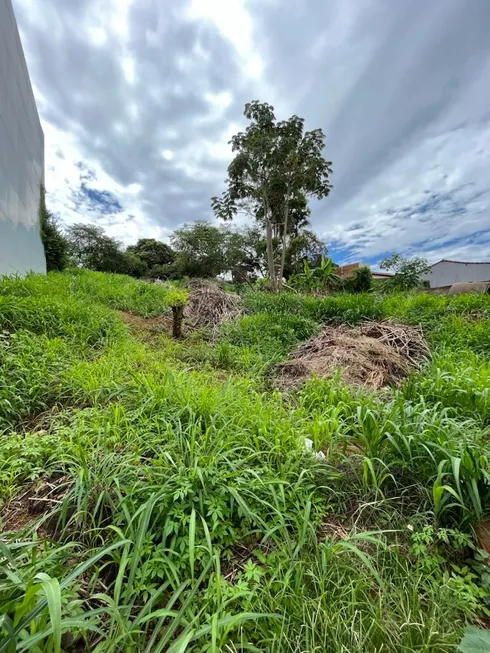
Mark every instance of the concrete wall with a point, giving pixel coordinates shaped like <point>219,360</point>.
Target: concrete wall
<point>21,156</point>
<point>445,273</point>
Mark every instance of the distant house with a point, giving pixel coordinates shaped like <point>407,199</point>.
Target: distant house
<point>446,272</point>
<point>381,276</point>
<point>345,271</point>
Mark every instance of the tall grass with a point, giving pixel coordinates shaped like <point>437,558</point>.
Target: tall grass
<point>172,504</point>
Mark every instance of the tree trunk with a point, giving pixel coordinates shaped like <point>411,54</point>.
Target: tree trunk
<point>270,256</point>
<point>178,315</point>
<point>284,240</point>
<point>270,249</point>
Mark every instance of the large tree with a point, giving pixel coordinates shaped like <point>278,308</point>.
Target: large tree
<point>407,271</point>
<point>92,248</point>
<point>152,252</point>
<point>200,249</point>
<point>276,168</point>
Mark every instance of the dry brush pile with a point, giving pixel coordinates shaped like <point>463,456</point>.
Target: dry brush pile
<point>374,355</point>
<point>209,305</point>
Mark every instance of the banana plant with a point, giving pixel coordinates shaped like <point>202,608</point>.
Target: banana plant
<point>317,279</point>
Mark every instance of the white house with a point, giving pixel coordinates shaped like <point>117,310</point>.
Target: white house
<point>446,272</point>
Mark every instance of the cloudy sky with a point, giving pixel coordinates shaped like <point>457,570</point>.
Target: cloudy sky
<point>138,99</point>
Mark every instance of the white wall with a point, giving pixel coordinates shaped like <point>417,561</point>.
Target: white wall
<point>21,156</point>
<point>446,273</point>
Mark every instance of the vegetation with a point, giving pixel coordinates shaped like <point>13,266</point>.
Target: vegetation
<point>276,168</point>
<point>54,241</point>
<point>322,278</point>
<point>158,495</point>
<point>407,271</point>
<point>361,280</point>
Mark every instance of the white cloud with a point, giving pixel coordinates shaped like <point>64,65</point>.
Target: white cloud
<point>435,193</point>
<point>63,176</point>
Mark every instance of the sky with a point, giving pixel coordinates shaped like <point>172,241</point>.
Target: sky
<point>139,98</point>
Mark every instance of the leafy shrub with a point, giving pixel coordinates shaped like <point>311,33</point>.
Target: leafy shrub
<point>360,281</point>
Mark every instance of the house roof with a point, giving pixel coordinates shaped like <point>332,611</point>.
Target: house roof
<point>448,260</point>
<point>345,270</point>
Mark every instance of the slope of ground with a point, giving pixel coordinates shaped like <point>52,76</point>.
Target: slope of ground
<point>158,496</point>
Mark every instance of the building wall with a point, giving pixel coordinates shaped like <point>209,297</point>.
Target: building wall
<point>446,273</point>
<point>21,156</point>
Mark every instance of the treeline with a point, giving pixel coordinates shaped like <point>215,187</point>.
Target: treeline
<point>200,249</point>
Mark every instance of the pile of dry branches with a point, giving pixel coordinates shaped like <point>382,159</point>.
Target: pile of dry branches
<point>209,305</point>
<point>373,355</point>
<point>406,340</point>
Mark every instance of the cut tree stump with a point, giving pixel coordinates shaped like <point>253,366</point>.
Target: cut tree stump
<point>178,316</point>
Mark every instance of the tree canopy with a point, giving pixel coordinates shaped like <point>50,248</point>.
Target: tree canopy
<point>276,168</point>
<point>152,252</point>
<point>407,271</point>
<point>54,241</point>
<point>90,247</point>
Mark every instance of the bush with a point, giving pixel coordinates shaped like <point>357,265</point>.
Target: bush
<point>360,281</point>
<point>54,241</point>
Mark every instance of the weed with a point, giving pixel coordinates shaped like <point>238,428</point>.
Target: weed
<point>191,516</point>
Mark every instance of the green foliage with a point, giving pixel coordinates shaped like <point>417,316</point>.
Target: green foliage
<point>321,278</point>
<point>90,247</point>
<point>200,250</point>
<point>152,252</point>
<point>203,250</point>
<point>338,308</point>
<point>475,640</point>
<point>304,245</point>
<point>84,287</point>
<point>162,498</point>
<point>54,241</point>
<point>266,334</point>
<point>60,315</point>
<point>407,272</point>
<point>276,168</point>
<point>361,280</point>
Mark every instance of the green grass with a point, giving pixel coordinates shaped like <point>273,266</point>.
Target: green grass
<point>179,509</point>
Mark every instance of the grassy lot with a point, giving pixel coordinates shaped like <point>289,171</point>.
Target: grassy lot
<point>158,496</point>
